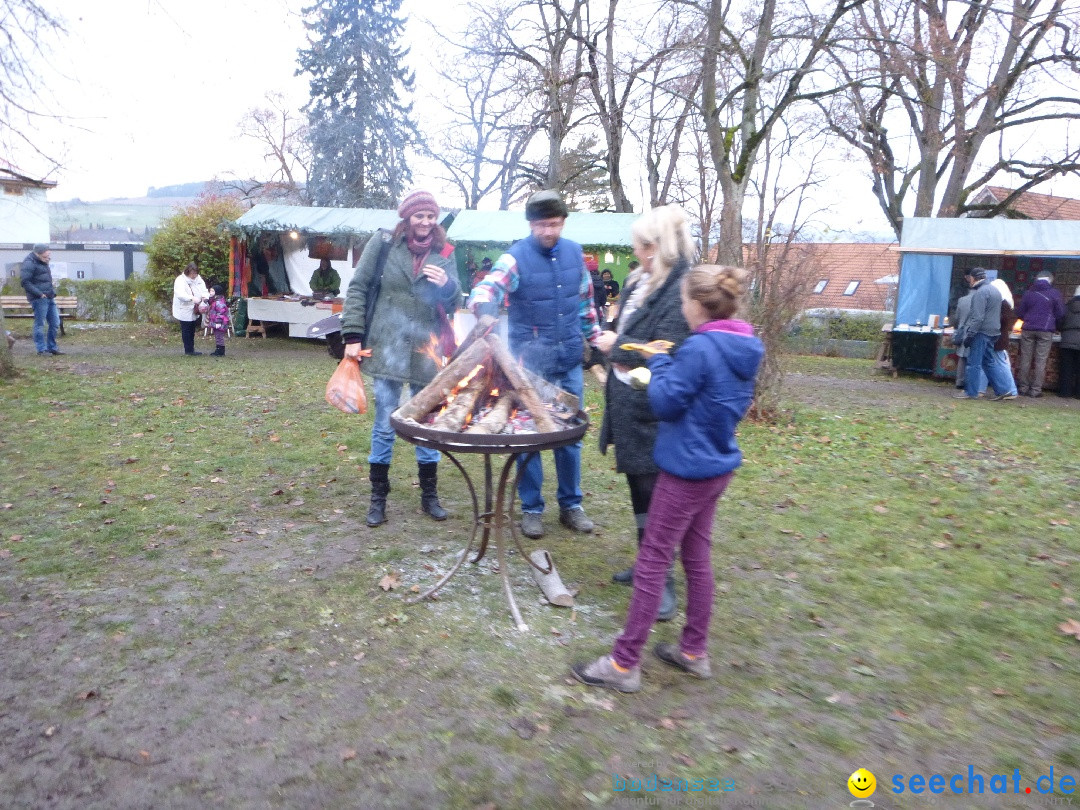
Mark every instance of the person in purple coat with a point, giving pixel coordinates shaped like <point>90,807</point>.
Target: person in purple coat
<point>1040,309</point>
<point>699,395</point>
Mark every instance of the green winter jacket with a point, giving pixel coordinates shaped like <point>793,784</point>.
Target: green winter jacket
<point>405,319</point>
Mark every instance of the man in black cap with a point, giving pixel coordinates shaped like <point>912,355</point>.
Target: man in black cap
<point>982,330</point>
<point>37,281</point>
<point>551,318</point>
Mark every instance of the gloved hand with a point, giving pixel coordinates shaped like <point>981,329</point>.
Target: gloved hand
<point>969,341</point>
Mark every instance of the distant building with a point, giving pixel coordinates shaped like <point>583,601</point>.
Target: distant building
<point>24,211</point>
<point>853,276</point>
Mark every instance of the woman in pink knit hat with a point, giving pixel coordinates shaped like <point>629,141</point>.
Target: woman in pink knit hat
<point>411,303</point>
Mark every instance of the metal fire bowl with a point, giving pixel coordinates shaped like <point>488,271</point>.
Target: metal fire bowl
<point>490,444</point>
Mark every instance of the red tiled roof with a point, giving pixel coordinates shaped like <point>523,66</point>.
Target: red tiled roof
<point>840,263</point>
<point>1030,205</point>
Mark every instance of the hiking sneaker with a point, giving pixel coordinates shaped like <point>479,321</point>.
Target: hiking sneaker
<point>532,525</point>
<point>576,519</point>
<point>1003,397</point>
<point>602,672</point>
<point>671,654</point>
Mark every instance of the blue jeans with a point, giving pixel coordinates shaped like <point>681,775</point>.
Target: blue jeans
<point>45,312</point>
<point>387,397</point>
<point>567,459</point>
<point>1002,359</point>
<point>983,357</point>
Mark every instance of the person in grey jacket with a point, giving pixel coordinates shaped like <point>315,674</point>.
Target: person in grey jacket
<point>415,297</point>
<point>1069,359</point>
<point>983,329</point>
<point>37,281</point>
<point>650,308</point>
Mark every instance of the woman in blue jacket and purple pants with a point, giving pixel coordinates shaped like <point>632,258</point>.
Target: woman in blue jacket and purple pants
<point>699,395</point>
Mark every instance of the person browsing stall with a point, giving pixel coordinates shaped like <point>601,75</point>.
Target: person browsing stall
<point>551,317</point>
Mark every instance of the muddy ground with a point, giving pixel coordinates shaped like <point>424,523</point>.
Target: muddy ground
<point>265,668</point>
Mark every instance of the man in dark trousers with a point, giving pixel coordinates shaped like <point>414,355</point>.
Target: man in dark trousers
<point>37,280</point>
<point>551,317</point>
<point>1040,309</point>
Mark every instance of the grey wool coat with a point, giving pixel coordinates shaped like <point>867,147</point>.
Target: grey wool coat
<point>629,423</point>
<point>404,319</point>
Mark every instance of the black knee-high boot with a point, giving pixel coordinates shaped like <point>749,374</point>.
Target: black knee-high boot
<point>429,495</point>
<point>380,487</point>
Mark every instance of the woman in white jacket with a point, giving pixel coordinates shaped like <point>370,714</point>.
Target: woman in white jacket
<point>189,293</point>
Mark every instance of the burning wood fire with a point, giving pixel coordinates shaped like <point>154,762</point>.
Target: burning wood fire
<point>484,391</point>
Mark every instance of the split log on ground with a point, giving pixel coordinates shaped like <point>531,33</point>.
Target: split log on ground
<point>428,398</point>
<point>526,394</point>
<point>494,420</point>
<point>453,418</point>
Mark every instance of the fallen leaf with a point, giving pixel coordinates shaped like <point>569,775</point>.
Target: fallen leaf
<point>4,553</point>
<point>87,695</point>
<point>862,669</point>
<point>390,581</point>
<point>683,759</point>
<point>999,692</point>
<point>348,754</point>
<point>9,506</point>
<point>881,510</point>
<point>668,723</point>
<point>1070,627</point>
<point>1068,600</point>
<point>144,754</point>
<point>940,544</point>
<point>15,538</point>
<point>217,480</point>
<point>149,497</point>
<point>278,492</point>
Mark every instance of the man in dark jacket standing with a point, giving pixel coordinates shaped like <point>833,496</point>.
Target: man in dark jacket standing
<point>37,281</point>
<point>551,317</point>
<point>1040,309</point>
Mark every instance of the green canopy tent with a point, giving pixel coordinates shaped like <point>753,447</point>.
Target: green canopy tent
<point>480,234</point>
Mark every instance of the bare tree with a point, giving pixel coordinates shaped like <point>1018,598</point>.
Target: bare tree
<point>780,258</point>
<point>283,135</point>
<point>754,67</point>
<point>545,37</point>
<point>26,28</point>
<point>934,84</point>
<point>615,71</point>
<point>491,120</point>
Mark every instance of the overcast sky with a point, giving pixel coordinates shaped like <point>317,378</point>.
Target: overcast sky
<point>151,93</point>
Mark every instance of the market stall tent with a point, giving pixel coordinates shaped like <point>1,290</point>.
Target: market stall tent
<point>295,227</point>
<point>932,266</point>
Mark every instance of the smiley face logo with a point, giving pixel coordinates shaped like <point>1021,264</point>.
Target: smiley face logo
<point>862,783</point>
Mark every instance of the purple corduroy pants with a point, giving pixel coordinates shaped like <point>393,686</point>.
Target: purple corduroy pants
<point>680,517</point>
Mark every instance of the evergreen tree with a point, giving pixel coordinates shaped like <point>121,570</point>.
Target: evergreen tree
<point>358,126</point>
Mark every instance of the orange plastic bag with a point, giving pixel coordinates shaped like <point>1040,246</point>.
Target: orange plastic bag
<point>345,390</point>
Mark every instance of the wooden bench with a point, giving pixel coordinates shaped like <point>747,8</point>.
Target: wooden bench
<point>16,306</point>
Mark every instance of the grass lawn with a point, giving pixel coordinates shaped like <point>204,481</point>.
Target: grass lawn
<point>191,612</point>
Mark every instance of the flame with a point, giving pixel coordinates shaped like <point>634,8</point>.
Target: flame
<point>468,378</point>
<point>432,350</point>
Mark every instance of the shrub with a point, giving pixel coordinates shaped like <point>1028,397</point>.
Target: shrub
<point>193,233</point>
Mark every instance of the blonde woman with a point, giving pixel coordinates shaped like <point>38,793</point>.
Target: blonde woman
<point>649,309</point>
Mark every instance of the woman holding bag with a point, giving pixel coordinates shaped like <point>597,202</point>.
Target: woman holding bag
<point>189,295</point>
<point>416,290</point>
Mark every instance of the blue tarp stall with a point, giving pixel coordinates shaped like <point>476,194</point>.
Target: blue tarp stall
<point>479,234</point>
<point>929,271</point>
<point>937,252</point>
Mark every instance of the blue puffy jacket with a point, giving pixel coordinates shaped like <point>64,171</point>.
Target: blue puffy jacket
<point>699,395</point>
